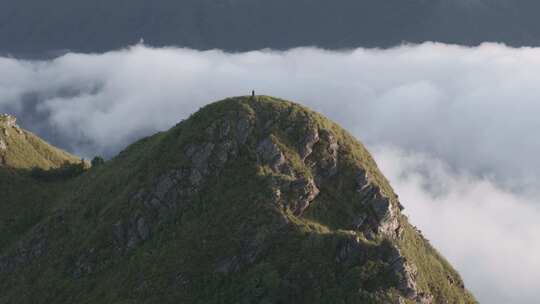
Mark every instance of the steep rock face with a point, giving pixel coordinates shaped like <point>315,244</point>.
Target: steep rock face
<point>250,200</point>
<point>7,121</point>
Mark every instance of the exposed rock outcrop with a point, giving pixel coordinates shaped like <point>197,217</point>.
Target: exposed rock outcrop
<point>383,214</point>
<point>311,138</point>
<point>175,190</point>
<point>351,249</point>
<point>270,154</point>
<point>304,191</point>
<point>7,121</point>
<point>328,162</point>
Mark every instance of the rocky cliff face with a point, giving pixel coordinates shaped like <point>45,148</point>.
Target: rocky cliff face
<point>250,200</point>
<point>7,122</point>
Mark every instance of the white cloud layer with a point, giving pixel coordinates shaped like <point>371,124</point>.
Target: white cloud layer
<point>474,109</point>
<point>488,234</point>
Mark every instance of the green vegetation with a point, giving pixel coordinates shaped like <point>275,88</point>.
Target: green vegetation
<point>27,151</point>
<point>64,172</point>
<point>97,161</point>
<point>30,175</point>
<point>206,213</point>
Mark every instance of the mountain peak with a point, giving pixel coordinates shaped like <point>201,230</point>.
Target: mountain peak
<point>8,123</point>
<point>7,120</point>
<point>249,200</point>
<point>21,149</point>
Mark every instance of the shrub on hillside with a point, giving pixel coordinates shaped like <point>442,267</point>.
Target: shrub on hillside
<point>66,171</point>
<point>97,161</point>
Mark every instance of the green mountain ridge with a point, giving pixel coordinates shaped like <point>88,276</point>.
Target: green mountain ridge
<point>24,201</point>
<point>250,200</point>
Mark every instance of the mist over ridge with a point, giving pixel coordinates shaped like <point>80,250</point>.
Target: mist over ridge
<point>471,109</point>
<point>443,93</point>
<point>469,106</point>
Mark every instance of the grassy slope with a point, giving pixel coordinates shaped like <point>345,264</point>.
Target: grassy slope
<point>27,151</point>
<point>24,201</point>
<point>296,260</point>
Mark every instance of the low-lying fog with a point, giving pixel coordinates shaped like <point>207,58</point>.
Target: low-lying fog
<point>455,129</point>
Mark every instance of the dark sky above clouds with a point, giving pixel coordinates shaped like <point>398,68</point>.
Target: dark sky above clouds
<point>454,128</point>
<point>47,28</point>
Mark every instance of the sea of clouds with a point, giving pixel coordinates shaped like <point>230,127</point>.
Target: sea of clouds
<point>455,129</point>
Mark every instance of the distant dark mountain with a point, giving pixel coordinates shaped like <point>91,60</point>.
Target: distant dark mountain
<point>35,27</point>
